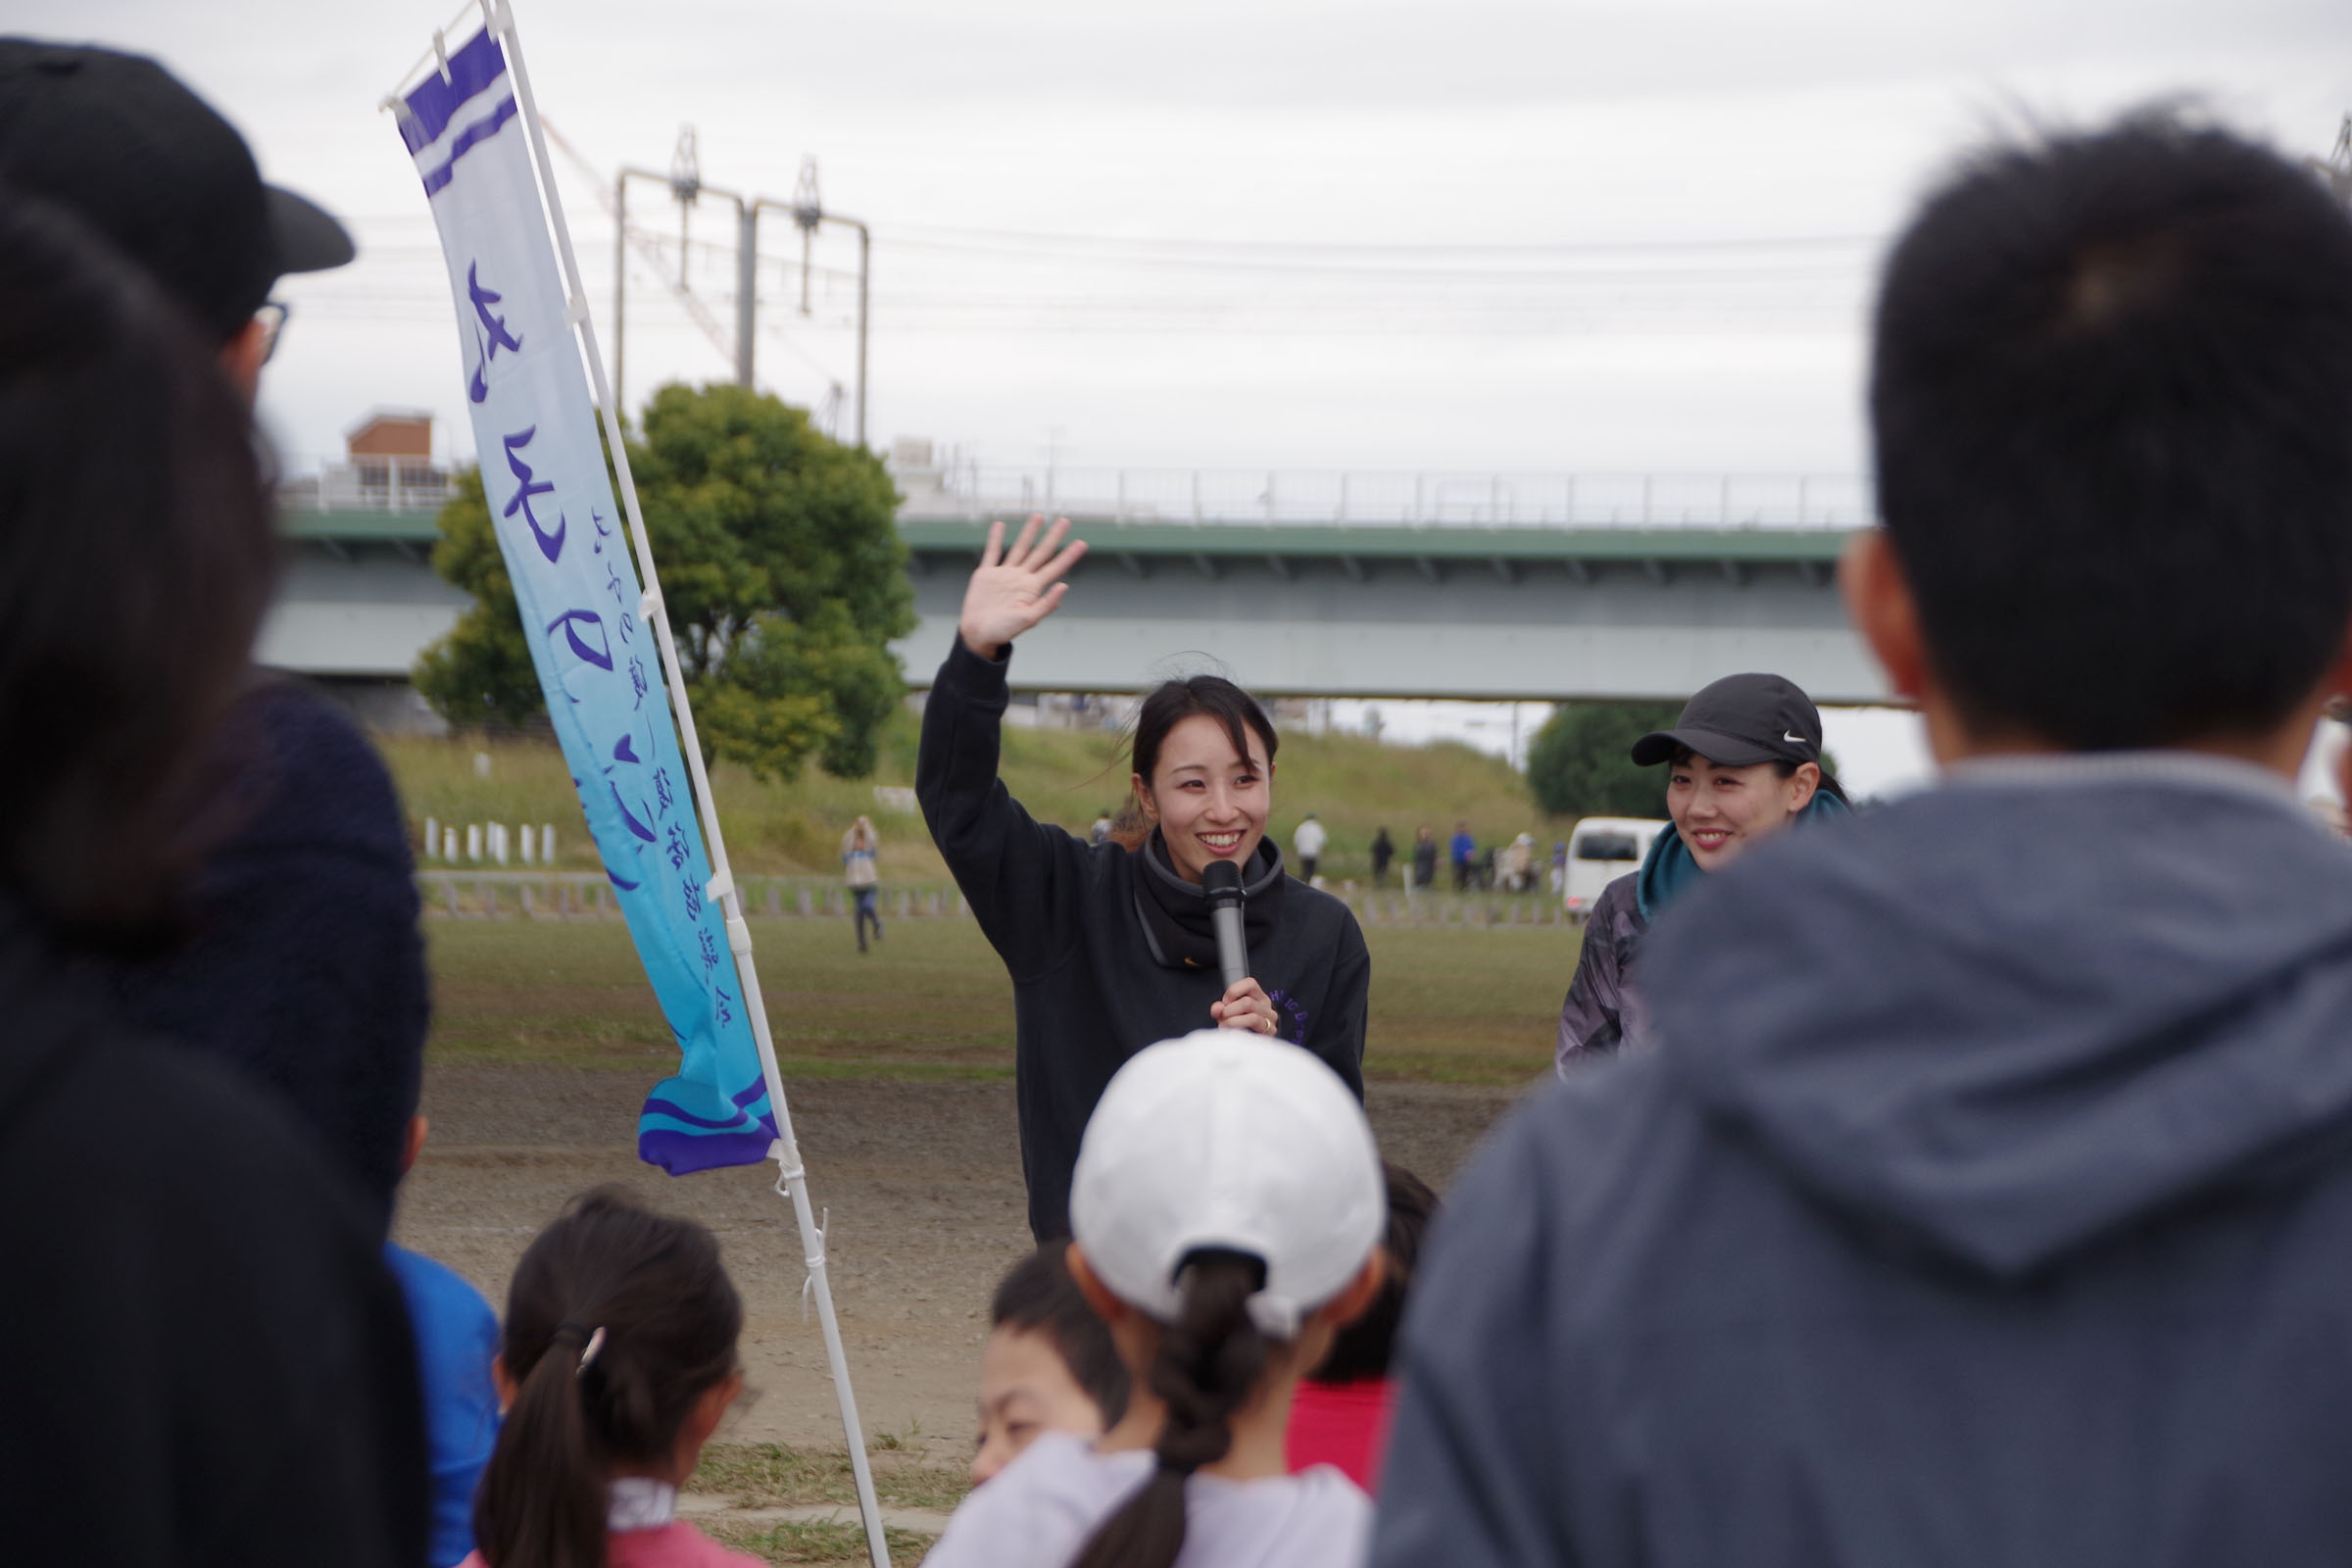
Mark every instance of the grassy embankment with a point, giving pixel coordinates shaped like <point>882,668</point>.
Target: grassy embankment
<point>1355,785</point>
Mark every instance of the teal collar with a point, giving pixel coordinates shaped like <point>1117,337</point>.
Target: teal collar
<point>1670,869</point>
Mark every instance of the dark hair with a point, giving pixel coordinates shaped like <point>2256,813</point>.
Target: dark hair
<point>2111,393</point>
<point>1172,702</point>
<point>1211,1361</point>
<point>1036,1296</point>
<point>1785,769</point>
<point>135,563</point>
<point>652,1284</point>
<point>1162,708</point>
<point>1360,1351</point>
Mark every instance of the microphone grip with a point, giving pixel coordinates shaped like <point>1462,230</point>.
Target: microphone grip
<point>1233,950</point>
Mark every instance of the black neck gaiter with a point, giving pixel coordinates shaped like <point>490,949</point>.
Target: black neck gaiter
<point>1175,913</point>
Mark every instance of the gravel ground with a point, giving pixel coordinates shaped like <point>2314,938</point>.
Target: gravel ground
<point>924,1182</point>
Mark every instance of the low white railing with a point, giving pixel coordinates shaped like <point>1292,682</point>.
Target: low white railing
<point>380,484</point>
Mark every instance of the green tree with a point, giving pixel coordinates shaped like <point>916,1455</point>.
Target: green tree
<point>783,571</point>
<point>481,672</point>
<point>1577,765</point>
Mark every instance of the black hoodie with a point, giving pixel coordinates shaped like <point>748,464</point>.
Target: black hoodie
<point>1093,982</point>
<point>1988,1200</point>
<point>203,1359</point>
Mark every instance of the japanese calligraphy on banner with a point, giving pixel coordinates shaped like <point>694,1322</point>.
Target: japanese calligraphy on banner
<point>559,530</point>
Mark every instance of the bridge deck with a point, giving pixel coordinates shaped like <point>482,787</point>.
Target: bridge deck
<point>1355,609</point>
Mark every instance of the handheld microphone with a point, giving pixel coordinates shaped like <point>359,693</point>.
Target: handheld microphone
<point>1221,880</point>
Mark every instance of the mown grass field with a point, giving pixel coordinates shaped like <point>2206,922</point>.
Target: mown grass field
<point>1457,1005</point>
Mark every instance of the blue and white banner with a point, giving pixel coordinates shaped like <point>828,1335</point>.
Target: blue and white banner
<point>551,502</point>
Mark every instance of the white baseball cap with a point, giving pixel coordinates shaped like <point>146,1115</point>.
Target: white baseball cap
<point>1228,1141</point>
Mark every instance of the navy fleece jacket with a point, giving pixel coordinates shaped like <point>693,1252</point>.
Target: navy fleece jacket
<point>306,970</point>
<point>1087,990</point>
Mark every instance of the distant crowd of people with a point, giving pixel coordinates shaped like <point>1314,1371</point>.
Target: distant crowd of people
<point>1965,1180</point>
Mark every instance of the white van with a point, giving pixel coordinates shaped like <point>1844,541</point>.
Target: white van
<point>1601,850</point>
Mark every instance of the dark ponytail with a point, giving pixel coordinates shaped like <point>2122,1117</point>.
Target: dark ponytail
<point>619,1320</point>
<point>542,1498</point>
<point>1211,1361</point>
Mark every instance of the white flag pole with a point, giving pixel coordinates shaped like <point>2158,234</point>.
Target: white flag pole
<point>791,1180</point>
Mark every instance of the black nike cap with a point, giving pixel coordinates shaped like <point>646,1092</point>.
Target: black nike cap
<point>1739,721</point>
<point>117,140</point>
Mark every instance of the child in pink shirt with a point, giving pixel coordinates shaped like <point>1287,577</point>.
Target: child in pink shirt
<point>616,1362</point>
<point>1340,1415</point>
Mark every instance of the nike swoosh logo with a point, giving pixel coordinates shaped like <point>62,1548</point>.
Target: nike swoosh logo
<point>1793,738</point>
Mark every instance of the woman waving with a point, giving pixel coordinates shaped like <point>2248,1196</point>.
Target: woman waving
<point>1111,948</point>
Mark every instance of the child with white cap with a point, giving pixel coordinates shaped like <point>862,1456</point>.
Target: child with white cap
<point>1227,1213</point>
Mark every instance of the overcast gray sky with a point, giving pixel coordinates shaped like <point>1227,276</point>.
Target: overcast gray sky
<point>1662,214</point>
<point>1628,236</point>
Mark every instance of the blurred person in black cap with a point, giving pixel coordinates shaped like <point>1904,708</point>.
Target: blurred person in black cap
<point>1743,763</point>
<point>304,966</point>
<point>115,139</point>
<point>297,959</point>
<point>203,1357</point>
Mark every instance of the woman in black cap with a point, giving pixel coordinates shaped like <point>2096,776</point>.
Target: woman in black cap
<point>1744,763</point>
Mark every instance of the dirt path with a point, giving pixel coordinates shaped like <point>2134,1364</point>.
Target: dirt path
<point>923,1181</point>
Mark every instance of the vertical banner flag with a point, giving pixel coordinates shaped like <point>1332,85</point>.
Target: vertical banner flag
<point>561,535</point>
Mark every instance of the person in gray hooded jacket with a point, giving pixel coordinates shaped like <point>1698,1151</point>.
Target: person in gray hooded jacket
<point>1986,1198</point>
<point>1744,763</point>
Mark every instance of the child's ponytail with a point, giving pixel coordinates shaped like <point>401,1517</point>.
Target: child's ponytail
<point>1211,1361</point>
<point>619,1320</point>
<point>541,1504</point>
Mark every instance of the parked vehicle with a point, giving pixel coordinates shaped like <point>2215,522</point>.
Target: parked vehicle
<point>1601,850</point>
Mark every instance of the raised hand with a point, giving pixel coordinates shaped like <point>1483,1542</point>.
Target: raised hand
<point>1015,588</point>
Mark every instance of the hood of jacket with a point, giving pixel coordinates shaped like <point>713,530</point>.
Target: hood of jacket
<point>1670,869</point>
<point>1177,927</point>
<point>2016,1014</point>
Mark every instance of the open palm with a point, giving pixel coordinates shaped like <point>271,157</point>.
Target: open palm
<point>1015,588</point>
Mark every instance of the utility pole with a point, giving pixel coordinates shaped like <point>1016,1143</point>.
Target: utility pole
<point>806,209</point>
<point>685,184</point>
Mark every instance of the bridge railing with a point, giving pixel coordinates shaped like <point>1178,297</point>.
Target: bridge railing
<point>309,483</point>
<point>1367,498</point>
<point>1398,498</point>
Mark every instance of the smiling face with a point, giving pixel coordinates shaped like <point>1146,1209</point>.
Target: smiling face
<point>1210,803</point>
<point>1026,1389</point>
<point>1720,812</point>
